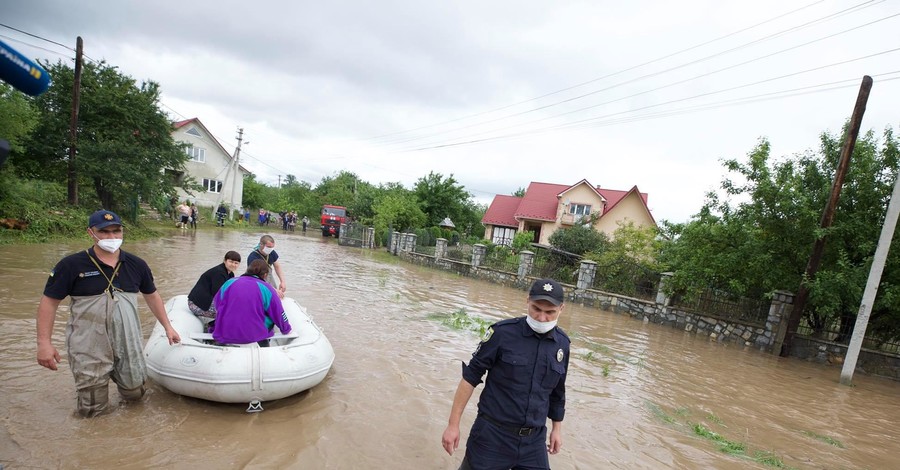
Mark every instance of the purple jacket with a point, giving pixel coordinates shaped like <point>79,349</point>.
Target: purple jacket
<point>244,304</point>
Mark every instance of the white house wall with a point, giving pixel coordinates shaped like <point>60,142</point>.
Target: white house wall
<point>216,167</point>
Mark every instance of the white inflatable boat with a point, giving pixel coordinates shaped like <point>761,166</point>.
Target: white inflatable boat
<point>238,374</point>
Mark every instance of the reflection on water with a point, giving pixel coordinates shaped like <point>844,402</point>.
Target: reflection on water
<point>639,395</point>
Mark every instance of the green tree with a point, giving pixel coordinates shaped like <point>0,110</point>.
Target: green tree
<point>628,264</point>
<point>338,190</point>
<point>440,197</point>
<point>399,211</point>
<point>17,117</point>
<point>759,236</point>
<point>519,192</point>
<point>124,139</point>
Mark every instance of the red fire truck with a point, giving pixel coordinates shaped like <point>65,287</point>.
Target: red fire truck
<point>332,218</point>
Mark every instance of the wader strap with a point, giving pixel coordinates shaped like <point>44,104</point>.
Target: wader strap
<point>109,288</point>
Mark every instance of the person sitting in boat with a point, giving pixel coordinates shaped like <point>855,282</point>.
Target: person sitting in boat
<point>200,300</point>
<point>247,307</point>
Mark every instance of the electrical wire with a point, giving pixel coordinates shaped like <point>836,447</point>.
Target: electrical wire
<point>643,92</point>
<point>851,9</point>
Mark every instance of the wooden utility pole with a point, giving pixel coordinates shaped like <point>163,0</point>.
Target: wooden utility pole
<point>828,215</point>
<point>73,125</point>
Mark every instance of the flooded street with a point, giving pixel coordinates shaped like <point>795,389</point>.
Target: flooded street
<point>637,393</point>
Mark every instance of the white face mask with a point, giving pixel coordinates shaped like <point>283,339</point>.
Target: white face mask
<point>110,245</point>
<point>540,326</point>
<point>268,249</point>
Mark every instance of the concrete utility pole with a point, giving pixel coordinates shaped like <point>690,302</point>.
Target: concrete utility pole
<point>232,170</point>
<point>237,172</point>
<point>828,215</point>
<point>865,307</point>
<point>73,125</point>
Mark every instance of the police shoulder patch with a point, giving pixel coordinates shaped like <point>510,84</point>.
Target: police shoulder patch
<point>487,334</point>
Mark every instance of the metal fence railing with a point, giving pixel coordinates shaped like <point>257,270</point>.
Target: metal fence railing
<point>424,250</point>
<point>462,253</point>
<point>501,258</point>
<point>352,235</point>
<point>555,264</point>
<point>833,332</point>
<point>628,279</point>
<point>727,306</point>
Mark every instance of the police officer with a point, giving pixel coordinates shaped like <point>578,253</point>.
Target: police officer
<point>527,358</point>
<point>104,331</point>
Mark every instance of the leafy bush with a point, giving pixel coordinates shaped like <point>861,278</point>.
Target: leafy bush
<point>579,240</point>
<point>522,241</point>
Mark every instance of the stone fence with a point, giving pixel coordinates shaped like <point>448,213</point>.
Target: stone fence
<point>767,336</point>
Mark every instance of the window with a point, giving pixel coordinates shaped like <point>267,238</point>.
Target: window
<point>503,236</point>
<point>213,186</point>
<point>579,211</point>
<point>197,154</point>
<point>193,131</point>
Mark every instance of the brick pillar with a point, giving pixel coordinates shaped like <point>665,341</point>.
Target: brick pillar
<point>440,249</point>
<point>411,242</point>
<point>526,261</point>
<point>478,252</point>
<point>342,231</point>
<point>586,272</point>
<point>662,298</point>
<point>777,322</point>
<point>370,237</point>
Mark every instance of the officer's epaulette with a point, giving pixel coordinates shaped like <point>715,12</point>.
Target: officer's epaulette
<point>508,321</point>
<point>560,331</point>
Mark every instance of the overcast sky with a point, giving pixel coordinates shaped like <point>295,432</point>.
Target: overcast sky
<point>496,93</point>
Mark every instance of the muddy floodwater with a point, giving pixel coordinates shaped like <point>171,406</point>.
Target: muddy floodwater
<point>639,395</point>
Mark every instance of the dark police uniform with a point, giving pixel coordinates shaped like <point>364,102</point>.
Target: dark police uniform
<point>526,384</point>
<point>77,275</point>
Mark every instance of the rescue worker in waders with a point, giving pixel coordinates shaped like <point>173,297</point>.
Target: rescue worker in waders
<point>103,333</point>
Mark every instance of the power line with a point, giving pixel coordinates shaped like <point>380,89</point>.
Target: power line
<point>37,37</point>
<point>679,82</point>
<point>32,45</point>
<point>652,75</point>
<point>749,99</point>
<point>839,13</point>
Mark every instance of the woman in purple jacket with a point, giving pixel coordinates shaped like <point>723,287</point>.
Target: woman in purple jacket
<point>248,307</point>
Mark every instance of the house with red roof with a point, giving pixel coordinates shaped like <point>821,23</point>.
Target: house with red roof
<point>210,165</point>
<point>546,208</point>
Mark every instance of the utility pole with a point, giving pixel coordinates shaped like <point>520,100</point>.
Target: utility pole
<point>232,169</point>
<point>73,125</point>
<point>828,215</point>
<point>865,307</point>
<point>237,172</point>
<point>279,181</point>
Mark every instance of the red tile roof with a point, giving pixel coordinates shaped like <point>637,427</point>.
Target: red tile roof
<point>181,124</point>
<point>541,201</point>
<point>502,211</point>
